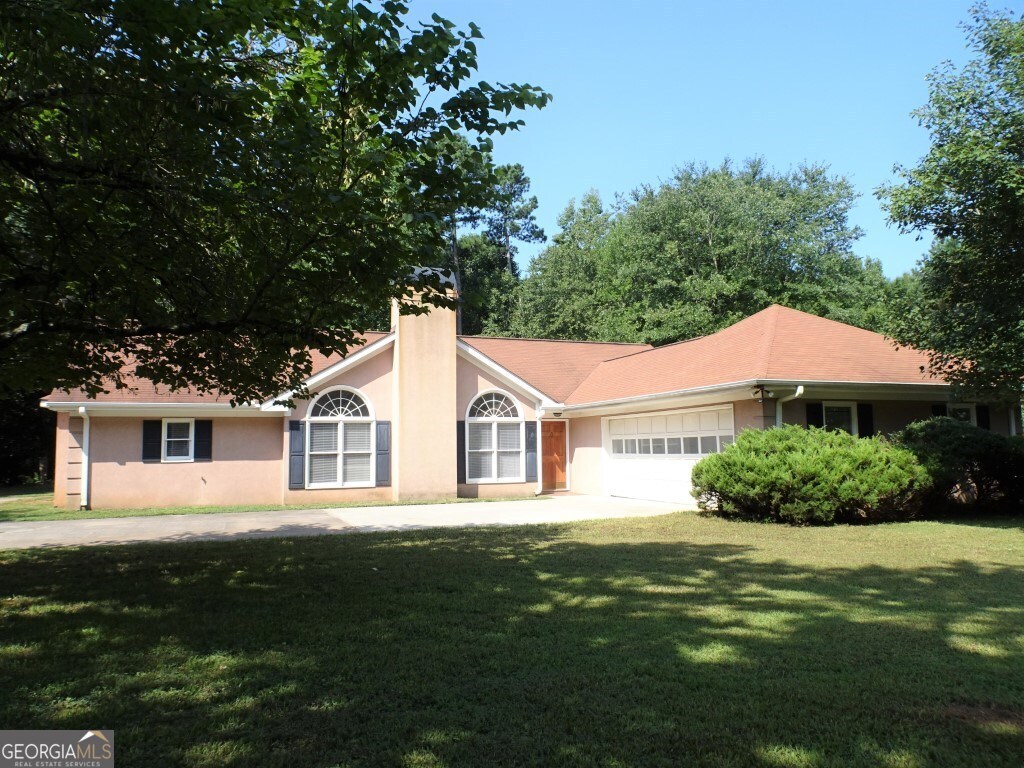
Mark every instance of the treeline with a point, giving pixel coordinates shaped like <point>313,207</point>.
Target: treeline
<point>707,248</point>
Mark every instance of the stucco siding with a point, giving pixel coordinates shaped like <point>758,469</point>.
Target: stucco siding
<point>60,462</point>
<point>586,455</point>
<point>750,414</point>
<point>329,496</point>
<point>471,380</point>
<point>495,490</point>
<point>424,451</point>
<point>372,378</point>
<point>247,466</point>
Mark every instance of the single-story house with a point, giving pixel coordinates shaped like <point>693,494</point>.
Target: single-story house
<point>421,412</point>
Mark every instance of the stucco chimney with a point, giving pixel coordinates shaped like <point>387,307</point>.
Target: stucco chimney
<point>424,461</point>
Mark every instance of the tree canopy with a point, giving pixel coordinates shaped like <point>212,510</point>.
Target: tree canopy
<point>969,192</point>
<point>206,190</point>
<point>711,246</point>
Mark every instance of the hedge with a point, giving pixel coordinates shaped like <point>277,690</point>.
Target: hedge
<point>809,476</point>
<point>969,469</point>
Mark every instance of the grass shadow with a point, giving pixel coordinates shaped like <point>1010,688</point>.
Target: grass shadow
<point>519,646</point>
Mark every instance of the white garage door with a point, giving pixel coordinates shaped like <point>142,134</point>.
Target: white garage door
<point>651,457</point>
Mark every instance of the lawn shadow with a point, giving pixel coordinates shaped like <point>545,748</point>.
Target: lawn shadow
<point>512,647</point>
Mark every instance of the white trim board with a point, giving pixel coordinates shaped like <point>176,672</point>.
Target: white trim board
<point>365,353</point>
<point>168,410</point>
<point>467,352</point>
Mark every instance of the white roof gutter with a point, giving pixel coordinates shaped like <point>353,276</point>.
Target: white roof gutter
<point>870,386</point>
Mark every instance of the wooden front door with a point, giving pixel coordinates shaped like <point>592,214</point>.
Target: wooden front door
<point>552,451</point>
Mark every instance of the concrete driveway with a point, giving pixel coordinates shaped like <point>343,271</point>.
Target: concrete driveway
<point>316,522</point>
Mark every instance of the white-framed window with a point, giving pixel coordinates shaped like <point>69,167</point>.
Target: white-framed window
<point>840,415</point>
<point>495,437</point>
<point>966,412</point>
<point>685,434</point>
<point>339,441</point>
<point>177,440</point>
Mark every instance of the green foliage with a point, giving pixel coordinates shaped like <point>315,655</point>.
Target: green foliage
<point>26,438</point>
<point>968,468</point>
<point>969,192</point>
<point>209,188</point>
<point>808,476</point>
<point>702,251</point>
<point>558,299</point>
<point>510,215</point>
<point>488,287</point>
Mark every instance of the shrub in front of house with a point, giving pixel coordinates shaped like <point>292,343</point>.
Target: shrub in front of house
<point>808,477</point>
<point>969,469</point>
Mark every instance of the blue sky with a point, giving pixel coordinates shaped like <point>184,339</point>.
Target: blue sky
<point>641,88</point>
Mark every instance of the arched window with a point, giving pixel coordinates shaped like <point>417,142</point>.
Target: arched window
<point>494,440</point>
<point>339,404</point>
<point>340,441</point>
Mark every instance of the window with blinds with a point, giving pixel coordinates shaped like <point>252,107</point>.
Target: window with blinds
<point>494,440</point>
<point>339,445</point>
<point>178,439</point>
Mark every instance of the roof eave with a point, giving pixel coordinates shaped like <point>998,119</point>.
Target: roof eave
<point>123,408</point>
<point>874,387</point>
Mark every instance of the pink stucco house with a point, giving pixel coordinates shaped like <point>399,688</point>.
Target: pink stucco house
<point>420,412</point>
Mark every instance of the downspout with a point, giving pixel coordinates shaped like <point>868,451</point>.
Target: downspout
<point>85,456</point>
<point>778,404</point>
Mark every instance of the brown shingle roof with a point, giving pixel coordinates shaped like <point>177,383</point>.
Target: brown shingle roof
<point>145,391</point>
<point>554,367</point>
<point>777,343</point>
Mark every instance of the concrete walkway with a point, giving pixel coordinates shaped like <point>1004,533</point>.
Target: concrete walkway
<point>315,522</point>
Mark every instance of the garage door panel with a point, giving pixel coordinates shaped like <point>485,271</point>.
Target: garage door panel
<point>644,462</point>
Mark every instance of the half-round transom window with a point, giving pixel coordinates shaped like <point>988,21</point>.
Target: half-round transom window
<point>339,404</point>
<point>493,405</point>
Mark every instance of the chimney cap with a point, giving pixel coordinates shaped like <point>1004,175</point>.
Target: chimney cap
<point>445,277</point>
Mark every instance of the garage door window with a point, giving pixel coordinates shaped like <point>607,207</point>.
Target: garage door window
<point>682,435</point>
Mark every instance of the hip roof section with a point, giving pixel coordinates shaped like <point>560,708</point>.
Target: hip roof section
<point>776,344</point>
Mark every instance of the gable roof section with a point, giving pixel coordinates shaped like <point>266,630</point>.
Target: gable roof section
<point>554,367</point>
<point>776,344</point>
<point>145,391</point>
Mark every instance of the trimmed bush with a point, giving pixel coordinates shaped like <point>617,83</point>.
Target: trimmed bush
<point>969,469</point>
<point>808,476</point>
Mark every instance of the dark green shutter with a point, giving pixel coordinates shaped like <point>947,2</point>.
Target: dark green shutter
<point>983,416</point>
<point>531,451</point>
<point>939,409</point>
<point>383,453</point>
<point>460,443</point>
<point>815,415</point>
<point>203,435</point>
<point>152,434</point>
<point>296,454</point>
<point>865,420</point>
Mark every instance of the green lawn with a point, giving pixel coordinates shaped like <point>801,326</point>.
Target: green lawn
<point>37,504</point>
<point>671,641</point>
